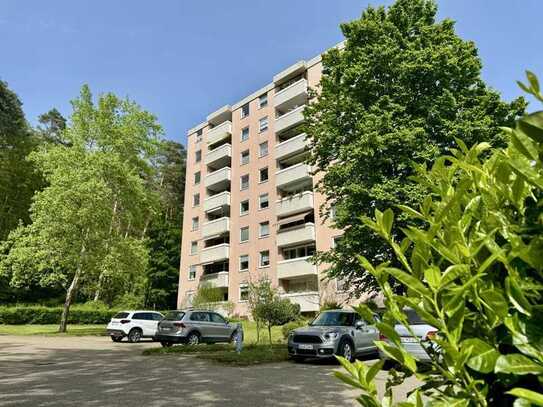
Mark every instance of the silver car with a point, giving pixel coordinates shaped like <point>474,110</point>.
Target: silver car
<point>334,332</point>
<point>412,344</point>
<point>193,326</point>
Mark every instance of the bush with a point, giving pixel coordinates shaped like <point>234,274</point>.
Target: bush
<point>328,305</point>
<point>35,314</point>
<point>289,326</point>
<point>473,269</point>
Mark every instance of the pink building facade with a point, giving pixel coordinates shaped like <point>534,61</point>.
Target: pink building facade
<point>250,208</point>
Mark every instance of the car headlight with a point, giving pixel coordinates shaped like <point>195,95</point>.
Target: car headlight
<point>330,336</point>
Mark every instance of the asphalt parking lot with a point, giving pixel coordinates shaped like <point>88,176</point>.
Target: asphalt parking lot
<point>93,371</point>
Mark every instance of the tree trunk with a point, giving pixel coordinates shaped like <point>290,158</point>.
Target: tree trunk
<point>70,294</point>
<point>257,330</point>
<point>269,333</point>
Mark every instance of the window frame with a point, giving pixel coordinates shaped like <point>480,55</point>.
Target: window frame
<point>192,272</point>
<point>196,200</point>
<point>241,270</point>
<point>260,225</point>
<point>197,223</point>
<point>244,131</point>
<point>198,156</point>
<point>241,188</point>
<point>241,230</point>
<point>267,125</point>
<point>260,149</point>
<point>243,286</point>
<point>263,100</point>
<point>241,212</point>
<point>193,244</point>
<point>260,255</point>
<point>260,180</point>
<point>244,159</point>
<point>260,207</point>
<point>245,113</point>
<point>197,177</point>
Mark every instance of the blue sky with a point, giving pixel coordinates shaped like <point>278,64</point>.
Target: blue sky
<point>182,59</point>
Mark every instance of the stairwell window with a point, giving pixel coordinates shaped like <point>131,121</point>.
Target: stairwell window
<point>193,247</point>
<point>264,149</point>
<point>192,272</point>
<point>264,229</point>
<point>265,258</point>
<point>198,156</point>
<point>244,234</point>
<point>244,182</point>
<point>195,223</point>
<point>263,124</point>
<point>244,207</point>
<point>196,200</point>
<point>245,110</point>
<point>243,292</point>
<point>197,177</point>
<point>245,134</point>
<point>245,157</point>
<point>263,100</point>
<point>244,262</point>
<point>264,201</point>
<point>263,174</point>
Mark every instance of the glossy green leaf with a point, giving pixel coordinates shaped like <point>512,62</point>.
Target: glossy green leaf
<point>529,395</point>
<point>517,364</point>
<point>484,355</point>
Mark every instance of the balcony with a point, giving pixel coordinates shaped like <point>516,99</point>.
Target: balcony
<point>299,234</point>
<point>308,301</point>
<point>216,227</point>
<point>290,119</point>
<point>216,202</point>
<point>295,268</point>
<point>302,202</point>
<point>215,253</point>
<point>219,132</point>
<point>292,146</point>
<point>218,280</point>
<point>293,175</point>
<point>219,157</point>
<point>293,95</point>
<point>219,179</point>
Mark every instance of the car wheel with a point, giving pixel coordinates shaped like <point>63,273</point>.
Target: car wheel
<point>233,338</point>
<point>193,339</point>
<point>346,350</point>
<point>116,338</point>
<point>166,344</point>
<point>134,335</point>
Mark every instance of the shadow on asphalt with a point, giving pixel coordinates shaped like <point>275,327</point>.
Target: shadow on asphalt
<point>68,377</point>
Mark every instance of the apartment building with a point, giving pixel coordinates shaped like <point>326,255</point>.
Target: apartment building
<point>250,207</point>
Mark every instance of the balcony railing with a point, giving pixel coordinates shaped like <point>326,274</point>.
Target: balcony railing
<point>218,155</point>
<point>216,202</point>
<point>292,146</point>
<point>215,253</point>
<point>293,175</point>
<point>216,227</point>
<point>218,280</point>
<point>297,234</point>
<point>218,178</point>
<point>294,94</point>
<point>219,132</point>
<point>289,120</point>
<point>298,267</point>
<point>308,301</point>
<point>295,203</point>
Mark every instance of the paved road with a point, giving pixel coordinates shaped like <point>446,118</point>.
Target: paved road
<point>93,371</point>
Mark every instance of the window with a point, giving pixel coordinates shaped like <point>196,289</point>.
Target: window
<point>197,177</point>
<point>245,110</point>
<point>198,156</point>
<point>265,258</point>
<point>199,135</point>
<point>264,149</point>
<point>190,298</point>
<point>264,229</point>
<point>244,207</point>
<point>263,201</point>
<point>263,174</point>
<point>243,292</point>
<point>244,262</point>
<point>193,247</point>
<point>196,200</point>
<point>216,318</point>
<point>263,124</point>
<point>195,223</point>
<point>199,316</point>
<point>245,134</point>
<point>297,252</point>
<point>244,182</point>
<point>192,272</point>
<point>245,157</point>
<point>332,213</point>
<point>263,100</point>
<point>244,234</point>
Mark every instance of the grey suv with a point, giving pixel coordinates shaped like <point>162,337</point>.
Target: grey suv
<point>192,326</point>
<point>334,332</point>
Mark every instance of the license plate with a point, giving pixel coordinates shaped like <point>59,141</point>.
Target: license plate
<point>303,346</point>
<point>408,339</point>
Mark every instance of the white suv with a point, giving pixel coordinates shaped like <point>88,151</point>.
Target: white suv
<point>134,325</point>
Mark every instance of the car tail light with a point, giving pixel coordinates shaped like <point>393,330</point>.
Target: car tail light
<point>431,335</point>
<point>179,325</point>
<point>382,337</point>
<point>125,321</point>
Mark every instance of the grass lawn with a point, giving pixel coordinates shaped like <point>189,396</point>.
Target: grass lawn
<point>73,330</point>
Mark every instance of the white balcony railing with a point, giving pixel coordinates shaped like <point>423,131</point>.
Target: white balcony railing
<point>295,203</point>
<point>223,153</point>
<point>218,177</point>
<point>295,94</point>
<point>215,253</point>
<point>292,146</point>
<point>290,119</point>
<point>219,132</point>
<point>216,227</point>
<point>298,267</point>
<point>218,280</point>
<point>292,175</point>
<point>298,234</point>
<point>217,201</point>
<point>308,301</point>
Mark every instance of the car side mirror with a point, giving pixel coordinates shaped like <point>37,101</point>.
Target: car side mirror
<point>359,324</point>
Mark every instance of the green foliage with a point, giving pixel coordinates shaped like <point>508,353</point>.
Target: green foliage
<point>79,314</point>
<point>400,92</point>
<point>292,325</point>
<point>474,271</point>
<point>328,305</point>
<point>207,296</point>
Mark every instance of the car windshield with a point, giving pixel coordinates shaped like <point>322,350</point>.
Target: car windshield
<point>120,315</point>
<point>413,317</point>
<point>174,316</point>
<point>334,319</point>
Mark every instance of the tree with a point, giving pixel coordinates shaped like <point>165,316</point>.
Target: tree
<point>474,271</point>
<point>18,177</point>
<point>400,91</point>
<point>87,222</point>
<point>271,309</point>
<point>260,291</point>
<point>52,126</point>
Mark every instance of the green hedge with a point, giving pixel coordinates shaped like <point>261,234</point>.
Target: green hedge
<point>20,315</point>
